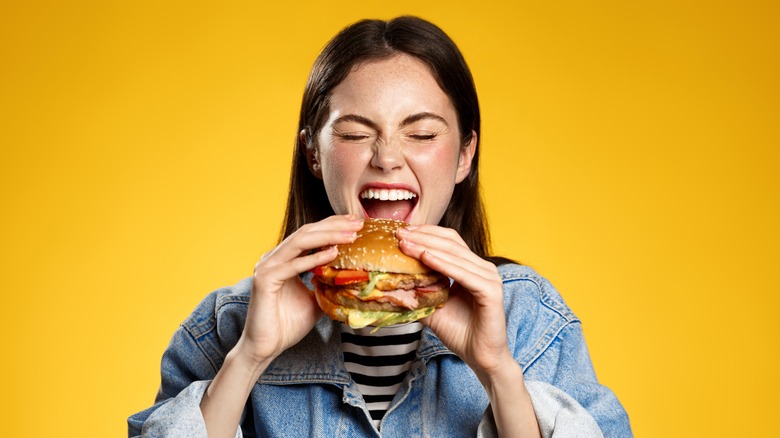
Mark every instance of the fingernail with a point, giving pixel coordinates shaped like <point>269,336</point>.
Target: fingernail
<point>408,243</point>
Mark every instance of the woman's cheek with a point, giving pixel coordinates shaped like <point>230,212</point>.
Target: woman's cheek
<point>440,160</point>
<point>340,173</point>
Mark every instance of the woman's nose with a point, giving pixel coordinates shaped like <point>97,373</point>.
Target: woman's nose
<point>387,155</point>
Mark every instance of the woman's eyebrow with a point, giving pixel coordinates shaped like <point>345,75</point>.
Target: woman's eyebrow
<point>420,116</point>
<point>407,121</point>
<point>357,119</point>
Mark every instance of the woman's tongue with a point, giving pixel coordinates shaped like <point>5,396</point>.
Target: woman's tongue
<point>398,210</point>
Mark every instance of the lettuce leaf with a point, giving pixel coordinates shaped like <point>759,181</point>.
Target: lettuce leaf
<point>363,318</point>
<point>373,277</point>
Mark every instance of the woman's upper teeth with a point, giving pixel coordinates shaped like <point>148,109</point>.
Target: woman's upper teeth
<point>387,194</point>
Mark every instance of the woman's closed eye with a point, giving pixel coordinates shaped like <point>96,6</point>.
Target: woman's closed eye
<point>422,136</point>
<point>353,136</point>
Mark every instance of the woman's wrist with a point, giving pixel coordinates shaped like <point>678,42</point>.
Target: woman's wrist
<point>507,373</point>
<point>248,370</point>
<point>225,398</point>
<point>510,401</point>
<point>242,357</point>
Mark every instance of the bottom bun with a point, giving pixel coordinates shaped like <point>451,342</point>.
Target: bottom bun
<point>361,318</point>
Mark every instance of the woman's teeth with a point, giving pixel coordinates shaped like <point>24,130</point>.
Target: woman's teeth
<point>388,194</point>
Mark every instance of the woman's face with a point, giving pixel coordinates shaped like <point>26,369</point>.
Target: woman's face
<point>390,147</point>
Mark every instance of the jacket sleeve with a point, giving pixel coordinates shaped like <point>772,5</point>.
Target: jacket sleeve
<point>548,342</point>
<point>558,415</point>
<point>186,372</point>
<point>566,366</point>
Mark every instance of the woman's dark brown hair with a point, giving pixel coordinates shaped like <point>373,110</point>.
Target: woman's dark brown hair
<point>371,40</point>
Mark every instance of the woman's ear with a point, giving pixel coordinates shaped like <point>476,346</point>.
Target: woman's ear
<point>311,152</point>
<point>465,158</point>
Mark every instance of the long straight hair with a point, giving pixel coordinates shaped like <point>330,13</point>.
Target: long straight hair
<point>371,40</point>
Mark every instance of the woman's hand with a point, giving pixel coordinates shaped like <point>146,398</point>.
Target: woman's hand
<point>281,309</point>
<point>472,324</point>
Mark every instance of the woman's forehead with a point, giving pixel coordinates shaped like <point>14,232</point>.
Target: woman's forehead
<point>395,86</point>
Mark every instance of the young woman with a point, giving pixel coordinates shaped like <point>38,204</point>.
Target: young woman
<point>389,127</point>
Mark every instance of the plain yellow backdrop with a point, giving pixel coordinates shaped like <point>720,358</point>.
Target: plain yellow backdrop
<point>630,155</point>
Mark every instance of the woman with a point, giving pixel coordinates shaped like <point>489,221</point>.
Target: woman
<point>389,111</point>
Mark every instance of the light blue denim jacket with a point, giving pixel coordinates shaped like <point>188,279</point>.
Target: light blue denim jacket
<point>307,391</point>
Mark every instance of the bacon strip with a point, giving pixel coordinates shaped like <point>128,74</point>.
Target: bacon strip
<point>401,297</point>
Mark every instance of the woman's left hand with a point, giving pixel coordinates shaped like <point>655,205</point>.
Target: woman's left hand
<point>472,323</point>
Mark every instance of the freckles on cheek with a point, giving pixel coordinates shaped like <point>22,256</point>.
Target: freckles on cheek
<point>441,158</point>
<point>336,167</point>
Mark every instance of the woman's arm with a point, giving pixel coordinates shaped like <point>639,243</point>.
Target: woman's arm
<point>473,325</point>
<point>281,312</point>
<point>224,400</point>
<point>511,404</point>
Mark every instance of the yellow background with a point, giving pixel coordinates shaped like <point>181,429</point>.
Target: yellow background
<point>630,155</point>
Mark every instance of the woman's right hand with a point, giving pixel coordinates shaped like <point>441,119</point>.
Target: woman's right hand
<point>282,310</point>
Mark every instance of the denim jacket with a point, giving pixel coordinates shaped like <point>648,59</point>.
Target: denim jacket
<point>306,391</point>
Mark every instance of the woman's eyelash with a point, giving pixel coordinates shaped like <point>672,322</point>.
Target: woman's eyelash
<point>357,137</point>
<point>353,136</point>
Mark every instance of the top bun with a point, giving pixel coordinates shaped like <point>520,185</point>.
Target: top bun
<point>376,249</point>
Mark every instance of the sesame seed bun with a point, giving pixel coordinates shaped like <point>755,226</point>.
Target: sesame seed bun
<point>376,249</point>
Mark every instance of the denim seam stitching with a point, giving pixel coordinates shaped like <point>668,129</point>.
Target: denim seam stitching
<point>544,297</point>
<point>551,334</point>
<point>202,344</point>
<point>199,330</point>
<point>230,299</point>
<point>273,379</point>
<point>553,329</point>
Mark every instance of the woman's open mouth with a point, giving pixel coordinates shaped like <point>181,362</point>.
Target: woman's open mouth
<point>388,203</point>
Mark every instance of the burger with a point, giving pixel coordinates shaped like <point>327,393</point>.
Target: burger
<point>372,283</point>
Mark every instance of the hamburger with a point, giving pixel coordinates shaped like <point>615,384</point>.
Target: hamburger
<point>372,283</point>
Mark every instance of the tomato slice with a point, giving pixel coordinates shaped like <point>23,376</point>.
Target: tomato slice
<point>346,276</point>
<point>318,271</point>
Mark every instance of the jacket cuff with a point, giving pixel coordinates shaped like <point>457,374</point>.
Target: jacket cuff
<point>181,415</point>
<point>558,414</point>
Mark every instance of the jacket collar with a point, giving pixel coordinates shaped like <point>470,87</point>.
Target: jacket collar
<point>318,358</point>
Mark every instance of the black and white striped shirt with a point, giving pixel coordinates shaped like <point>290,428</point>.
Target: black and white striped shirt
<point>378,362</point>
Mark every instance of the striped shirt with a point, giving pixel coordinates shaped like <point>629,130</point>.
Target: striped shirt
<point>378,362</point>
